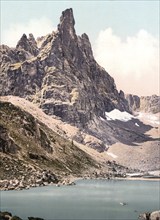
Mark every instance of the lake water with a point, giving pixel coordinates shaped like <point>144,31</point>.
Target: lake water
<point>88,199</point>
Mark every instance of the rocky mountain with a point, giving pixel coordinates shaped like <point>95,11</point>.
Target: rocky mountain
<point>144,103</point>
<point>60,74</point>
<point>57,74</point>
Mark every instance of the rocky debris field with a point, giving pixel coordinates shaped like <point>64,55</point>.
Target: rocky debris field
<point>17,175</point>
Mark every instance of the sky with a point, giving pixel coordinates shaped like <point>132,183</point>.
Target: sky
<point>124,34</point>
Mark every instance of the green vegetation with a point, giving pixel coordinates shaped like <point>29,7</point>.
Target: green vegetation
<point>38,146</point>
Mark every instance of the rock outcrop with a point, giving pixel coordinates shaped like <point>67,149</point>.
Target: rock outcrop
<point>149,104</point>
<point>8,216</point>
<point>28,45</point>
<point>155,215</point>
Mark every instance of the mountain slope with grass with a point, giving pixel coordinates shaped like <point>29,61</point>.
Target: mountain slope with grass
<point>28,146</point>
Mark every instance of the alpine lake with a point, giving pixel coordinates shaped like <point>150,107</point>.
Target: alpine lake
<point>87,200</point>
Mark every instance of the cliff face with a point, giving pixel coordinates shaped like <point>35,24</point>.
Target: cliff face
<point>60,74</point>
<point>144,103</point>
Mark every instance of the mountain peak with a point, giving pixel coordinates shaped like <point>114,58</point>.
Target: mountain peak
<point>67,22</point>
<point>28,44</point>
<point>22,41</point>
<point>67,17</point>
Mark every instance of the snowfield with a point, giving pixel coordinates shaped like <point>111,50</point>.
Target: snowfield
<point>118,115</point>
<point>115,114</point>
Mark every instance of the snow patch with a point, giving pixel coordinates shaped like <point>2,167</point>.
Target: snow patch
<point>134,174</point>
<point>112,155</point>
<point>102,119</point>
<point>137,124</point>
<point>118,115</point>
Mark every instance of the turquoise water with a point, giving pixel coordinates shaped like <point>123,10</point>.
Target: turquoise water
<point>88,199</point>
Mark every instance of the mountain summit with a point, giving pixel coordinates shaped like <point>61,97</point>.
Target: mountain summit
<point>80,109</point>
<point>59,74</point>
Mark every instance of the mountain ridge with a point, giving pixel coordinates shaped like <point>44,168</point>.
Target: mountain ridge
<point>65,63</point>
<point>59,83</point>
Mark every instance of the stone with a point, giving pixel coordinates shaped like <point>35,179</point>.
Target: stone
<point>35,218</point>
<point>28,45</point>
<point>15,218</point>
<point>155,215</point>
<point>144,103</point>
<point>7,144</point>
<point>5,215</point>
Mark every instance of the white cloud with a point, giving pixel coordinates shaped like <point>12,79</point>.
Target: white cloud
<point>38,27</point>
<point>134,63</point>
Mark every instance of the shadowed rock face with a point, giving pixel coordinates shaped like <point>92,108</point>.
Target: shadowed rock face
<point>60,74</point>
<point>7,144</point>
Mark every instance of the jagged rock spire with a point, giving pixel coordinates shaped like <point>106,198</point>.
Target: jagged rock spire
<point>66,26</point>
<point>67,16</point>
<point>87,46</point>
<point>22,43</point>
<point>32,40</point>
<point>28,44</point>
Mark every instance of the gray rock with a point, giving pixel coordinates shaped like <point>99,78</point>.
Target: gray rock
<point>28,45</point>
<point>62,75</point>
<point>7,144</point>
<point>59,74</point>
<point>144,103</point>
<point>155,215</point>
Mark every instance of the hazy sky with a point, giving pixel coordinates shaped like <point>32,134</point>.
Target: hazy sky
<point>124,34</point>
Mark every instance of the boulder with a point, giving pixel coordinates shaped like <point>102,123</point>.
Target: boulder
<point>35,218</point>
<point>15,218</point>
<point>155,215</point>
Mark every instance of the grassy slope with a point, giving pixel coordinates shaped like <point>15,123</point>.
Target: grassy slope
<point>33,139</point>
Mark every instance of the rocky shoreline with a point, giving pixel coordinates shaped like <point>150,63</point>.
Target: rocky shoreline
<point>47,178</point>
<point>8,216</point>
<point>20,176</point>
<point>34,177</point>
<point>38,179</point>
